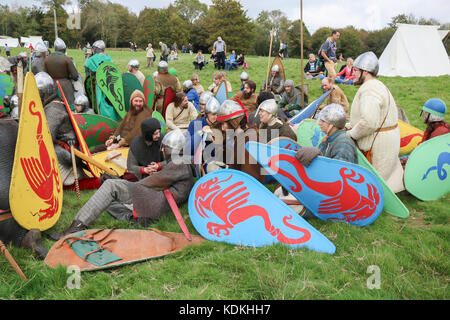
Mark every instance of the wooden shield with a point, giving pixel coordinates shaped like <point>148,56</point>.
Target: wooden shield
<point>149,91</point>
<point>102,157</point>
<point>232,206</point>
<point>130,83</point>
<point>109,80</point>
<point>36,190</point>
<point>277,61</point>
<point>410,137</point>
<point>426,172</point>
<point>169,97</point>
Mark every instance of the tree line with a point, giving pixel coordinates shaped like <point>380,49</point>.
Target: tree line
<point>190,21</point>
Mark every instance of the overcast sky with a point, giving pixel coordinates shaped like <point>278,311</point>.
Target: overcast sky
<point>366,14</point>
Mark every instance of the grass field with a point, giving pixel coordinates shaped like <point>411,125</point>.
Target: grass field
<point>412,254</point>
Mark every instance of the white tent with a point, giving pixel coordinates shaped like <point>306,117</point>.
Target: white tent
<point>443,33</point>
<point>11,42</point>
<point>30,40</point>
<point>414,51</point>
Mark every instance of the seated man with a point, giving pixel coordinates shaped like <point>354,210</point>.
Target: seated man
<point>271,127</point>
<point>335,145</point>
<point>82,104</point>
<point>145,153</point>
<point>202,124</point>
<point>191,93</point>
<point>204,98</point>
<point>231,62</point>
<point>337,96</point>
<point>130,127</point>
<point>200,61</point>
<point>240,60</point>
<point>275,83</point>
<point>433,113</point>
<point>133,68</point>
<point>291,99</point>
<point>144,201</point>
<point>180,113</point>
<point>312,68</point>
<point>248,96</point>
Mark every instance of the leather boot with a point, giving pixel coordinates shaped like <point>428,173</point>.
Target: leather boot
<point>74,227</point>
<point>32,240</point>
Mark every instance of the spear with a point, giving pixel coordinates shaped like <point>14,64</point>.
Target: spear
<point>268,60</point>
<point>301,52</point>
<point>75,172</point>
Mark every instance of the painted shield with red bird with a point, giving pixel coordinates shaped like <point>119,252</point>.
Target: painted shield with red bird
<point>332,190</point>
<point>233,207</point>
<point>36,190</point>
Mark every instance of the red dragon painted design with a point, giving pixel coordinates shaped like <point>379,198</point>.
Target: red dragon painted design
<point>210,196</point>
<point>406,140</point>
<point>343,198</point>
<point>42,174</point>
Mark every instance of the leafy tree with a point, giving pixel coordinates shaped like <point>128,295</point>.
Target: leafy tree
<point>190,10</point>
<point>379,39</point>
<point>349,43</point>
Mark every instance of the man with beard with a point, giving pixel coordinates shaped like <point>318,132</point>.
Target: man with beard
<point>248,96</point>
<point>373,122</point>
<point>164,80</point>
<point>144,201</point>
<point>275,83</point>
<point>180,113</point>
<point>291,100</point>
<point>60,67</point>
<point>191,93</point>
<point>233,121</point>
<point>130,127</point>
<point>337,96</point>
<point>144,155</point>
<point>271,127</point>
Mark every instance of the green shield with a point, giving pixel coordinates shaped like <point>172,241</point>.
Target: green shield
<point>109,80</point>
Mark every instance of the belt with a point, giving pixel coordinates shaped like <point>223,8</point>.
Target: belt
<point>387,128</point>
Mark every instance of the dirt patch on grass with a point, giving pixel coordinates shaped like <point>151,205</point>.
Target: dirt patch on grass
<point>416,219</point>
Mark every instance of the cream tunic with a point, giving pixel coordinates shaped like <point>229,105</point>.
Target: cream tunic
<point>370,105</point>
<point>183,118</point>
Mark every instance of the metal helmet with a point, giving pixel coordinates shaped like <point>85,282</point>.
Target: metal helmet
<point>269,105</point>
<point>188,84</point>
<point>212,105</point>
<point>276,68</point>
<point>205,96</point>
<point>82,100</point>
<point>367,61</point>
<point>40,47</point>
<point>435,106</point>
<point>98,46</point>
<point>244,75</point>
<point>44,82</point>
<point>289,83</point>
<point>229,110</point>
<point>334,114</point>
<point>175,140</point>
<point>134,63</point>
<point>59,45</point>
<point>163,66</point>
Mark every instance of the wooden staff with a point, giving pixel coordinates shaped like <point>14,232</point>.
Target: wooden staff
<point>94,162</point>
<point>301,52</point>
<point>268,60</point>
<point>75,172</point>
<point>19,83</point>
<point>11,260</point>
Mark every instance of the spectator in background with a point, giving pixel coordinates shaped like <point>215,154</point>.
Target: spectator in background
<point>347,74</point>
<point>221,50</point>
<point>241,60</point>
<point>173,56</point>
<point>164,51</point>
<point>328,53</point>
<point>150,55</point>
<point>200,61</point>
<point>213,58</point>
<point>312,68</point>
<point>231,62</point>
<point>7,50</point>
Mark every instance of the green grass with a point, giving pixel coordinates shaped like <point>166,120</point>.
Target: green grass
<point>412,253</point>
